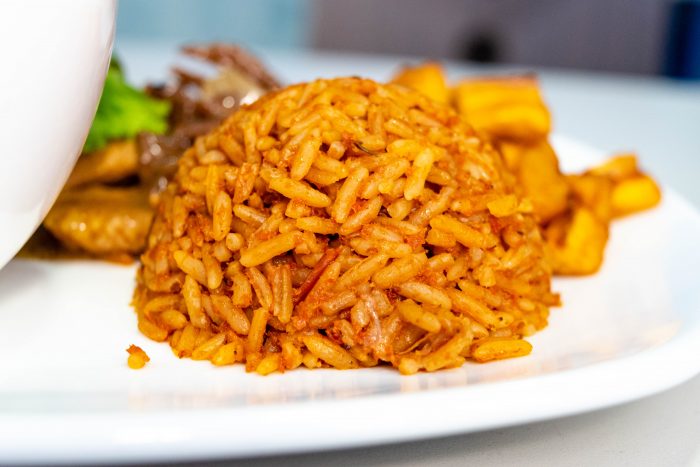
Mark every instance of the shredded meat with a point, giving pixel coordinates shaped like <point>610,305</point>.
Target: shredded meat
<point>199,104</point>
<point>232,56</point>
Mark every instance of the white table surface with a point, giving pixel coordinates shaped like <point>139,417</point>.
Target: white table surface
<point>657,118</point>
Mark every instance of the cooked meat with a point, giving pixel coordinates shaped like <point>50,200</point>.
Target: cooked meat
<point>103,221</point>
<point>232,56</point>
<point>115,162</point>
<point>200,104</point>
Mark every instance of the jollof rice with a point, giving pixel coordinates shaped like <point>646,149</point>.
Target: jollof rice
<point>343,223</point>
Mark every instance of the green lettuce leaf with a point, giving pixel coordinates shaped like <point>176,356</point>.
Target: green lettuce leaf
<point>124,111</point>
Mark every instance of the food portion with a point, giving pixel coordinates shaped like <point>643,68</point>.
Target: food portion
<point>138,136</point>
<point>574,211</point>
<point>344,223</point>
<point>341,223</point>
<point>132,148</point>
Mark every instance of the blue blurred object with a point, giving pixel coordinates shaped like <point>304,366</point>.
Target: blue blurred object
<point>275,23</point>
<point>683,47</point>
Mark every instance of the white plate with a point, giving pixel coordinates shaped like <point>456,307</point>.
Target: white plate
<point>67,395</point>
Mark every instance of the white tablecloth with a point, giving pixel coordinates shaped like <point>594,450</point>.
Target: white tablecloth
<point>660,120</point>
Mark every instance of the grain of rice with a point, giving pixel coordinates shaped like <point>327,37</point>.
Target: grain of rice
<point>487,350</point>
<point>242,292</point>
<point>256,334</point>
<point>440,238</point>
<point>369,247</point>
<point>466,235</point>
<point>365,214</point>
<point>249,215</point>
<point>193,301</point>
<point>261,287</point>
<point>191,266</point>
<point>234,241</point>
<point>282,293</point>
<point>208,348</point>
<point>304,158</point>
<point>400,270</point>
<point>328,351</point>
<point>342,300</point>
<point>317,225</point>
<point>361,271</point>
<point>399,209</point>
<point>225,355</point>
<point>268,364</point>
<point>419,172</point>
<point>414,314</point>
<point>448,354</point>
<point>294,189</point>
<point>172,319</point>
<point>425,293</point>
<point>347,194</point>
<point>463,303</point>
<point>268,249</point>
<point>137,357</point>
<point>234,317</point>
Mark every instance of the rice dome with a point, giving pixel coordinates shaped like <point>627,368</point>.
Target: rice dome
<point>343,223</point>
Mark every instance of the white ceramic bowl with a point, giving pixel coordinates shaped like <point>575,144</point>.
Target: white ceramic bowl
<point>54,56</point>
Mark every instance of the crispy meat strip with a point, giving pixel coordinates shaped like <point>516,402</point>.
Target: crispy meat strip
<point>328,257</point>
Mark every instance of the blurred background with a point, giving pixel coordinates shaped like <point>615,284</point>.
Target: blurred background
<point>653,37</point>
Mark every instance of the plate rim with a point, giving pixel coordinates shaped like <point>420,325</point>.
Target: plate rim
<point>142,437</point>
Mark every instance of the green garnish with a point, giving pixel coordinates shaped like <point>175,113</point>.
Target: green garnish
<point>124,111</point>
